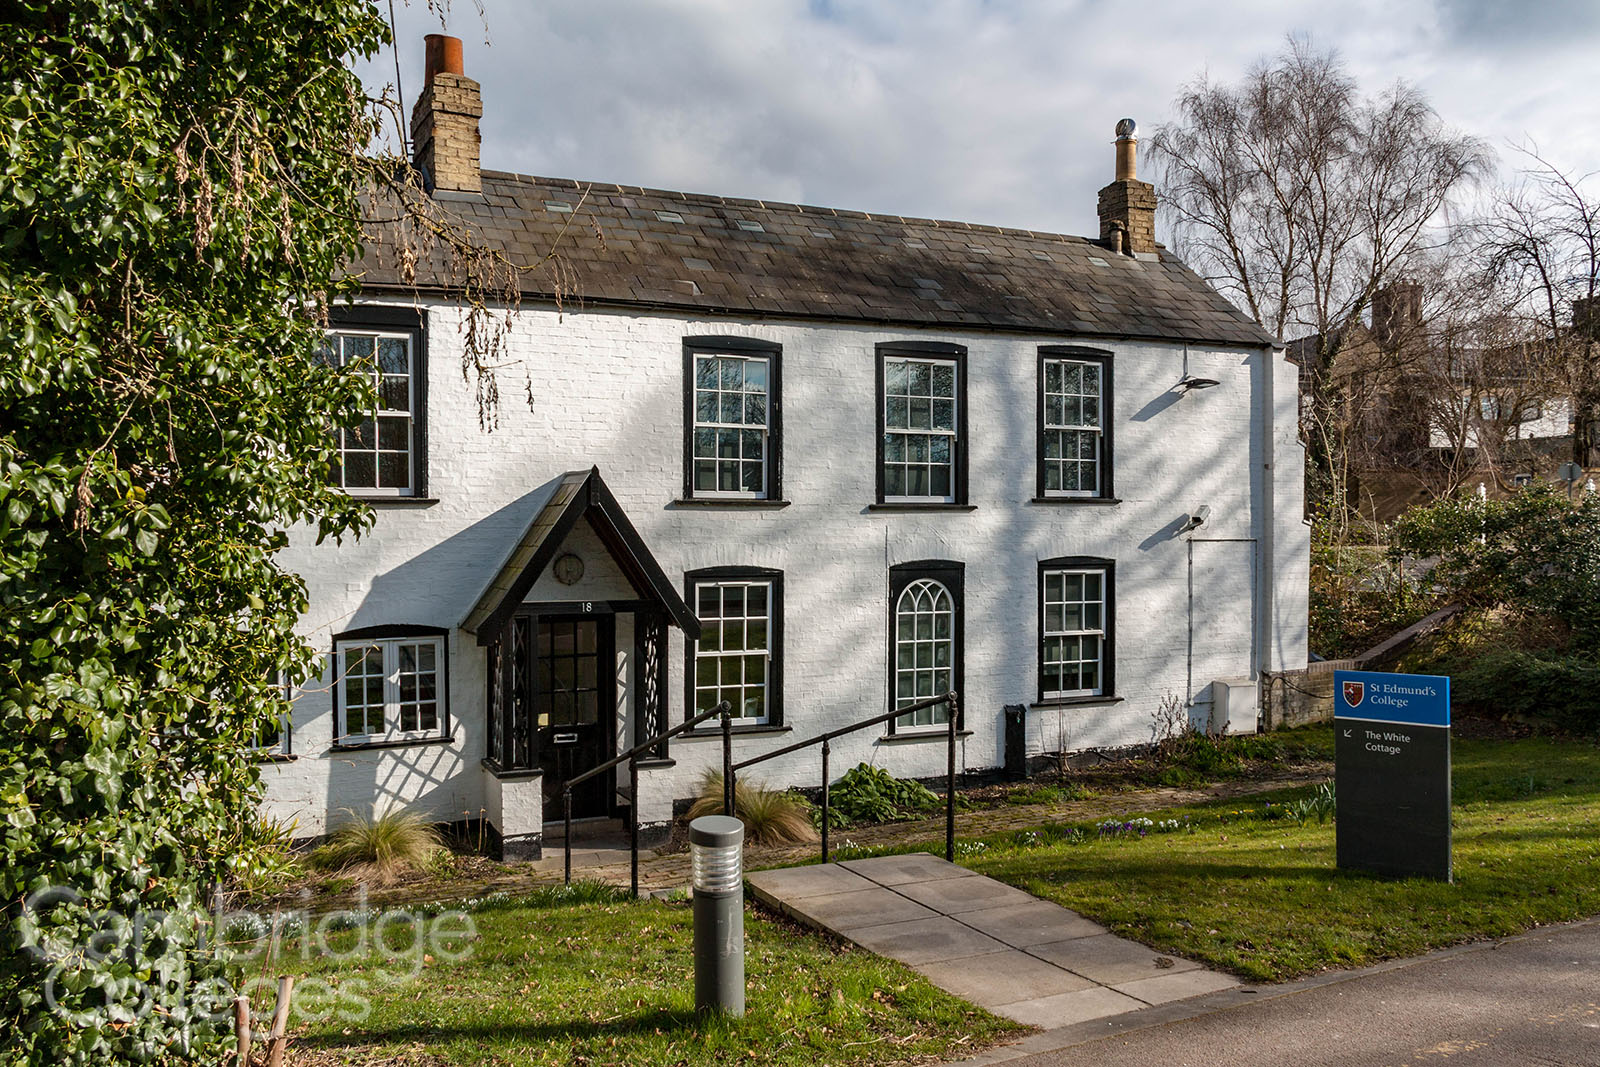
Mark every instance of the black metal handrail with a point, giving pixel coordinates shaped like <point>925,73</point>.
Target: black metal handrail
<point>631,758</point>
<point>825,740</point>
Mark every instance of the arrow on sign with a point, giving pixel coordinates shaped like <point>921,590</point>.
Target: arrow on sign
<point>1347,733</point>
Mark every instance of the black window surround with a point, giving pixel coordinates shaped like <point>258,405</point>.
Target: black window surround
<point>712,575</point>
<point>925,350</point>
<point>411,320</point>
<point>1106,494</point>
<point>746,347</point>
<point>1108,657</point>
<point>399,632</point>
<point>951,575</point>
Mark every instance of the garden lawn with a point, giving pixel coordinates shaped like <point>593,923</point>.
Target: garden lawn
<point>1261,897</point>
<point>610,982</point>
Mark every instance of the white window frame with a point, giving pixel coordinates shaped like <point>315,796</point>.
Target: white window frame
<point>718,426</point>
<point>336,337</point>
<point>938,715</point>
<point>392,705</point>
<point>951,435</point>
<point>1046,633</point>
<point>1096,430</point>
<point>742,655</point>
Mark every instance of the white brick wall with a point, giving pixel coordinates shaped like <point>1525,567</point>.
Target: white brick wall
<point>607,391</point>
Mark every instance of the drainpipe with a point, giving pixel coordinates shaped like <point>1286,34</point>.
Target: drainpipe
<point>1267,581</point>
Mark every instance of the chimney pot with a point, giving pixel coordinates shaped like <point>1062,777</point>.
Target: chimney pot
<point>1127,149</point>
<point>443,56</point>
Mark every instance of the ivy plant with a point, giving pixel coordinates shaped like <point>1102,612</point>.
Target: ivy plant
<point>179,190</point>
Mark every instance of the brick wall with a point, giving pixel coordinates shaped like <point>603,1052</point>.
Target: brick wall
<point>607,390</point>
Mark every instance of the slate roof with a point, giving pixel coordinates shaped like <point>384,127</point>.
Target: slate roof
<point>624,246</point>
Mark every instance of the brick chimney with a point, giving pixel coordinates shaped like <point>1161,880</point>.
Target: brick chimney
<point>1128,205</point>
<point>444,122</point>
<point>1396,312</point>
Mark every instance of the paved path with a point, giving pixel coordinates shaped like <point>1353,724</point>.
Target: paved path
<point>1522,1001</point>
<point>1019,956</point>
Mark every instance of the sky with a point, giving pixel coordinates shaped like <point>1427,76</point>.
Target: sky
<point>988,111</point>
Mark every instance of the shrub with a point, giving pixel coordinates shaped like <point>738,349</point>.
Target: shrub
<point>770,816</point>
<point>872,794</point>
<point>1565,689</point>
<point>1534,551</point>
<point>390,845</point>
<point>263,859</point>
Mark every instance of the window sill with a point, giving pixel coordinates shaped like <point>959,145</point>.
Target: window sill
<point>698,733</point>
<point>1068,702</point>
<point>920,505</point>
<point>519,775</point>
<point>1076,500</point>
<point>752,503</point>
<point>396,501</point>
<point>409,742</point>
<point>920,735</point>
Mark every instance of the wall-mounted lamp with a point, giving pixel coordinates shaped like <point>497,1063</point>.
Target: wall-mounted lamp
<point>1188,383</point>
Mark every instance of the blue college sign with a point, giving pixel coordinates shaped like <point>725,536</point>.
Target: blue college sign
<point>1414,699</point>
<point>1392,753</point>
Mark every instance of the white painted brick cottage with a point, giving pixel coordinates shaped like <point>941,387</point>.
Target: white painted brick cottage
<point>817,463</point>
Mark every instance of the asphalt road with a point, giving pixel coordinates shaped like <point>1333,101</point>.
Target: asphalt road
<point>1529,1000</point>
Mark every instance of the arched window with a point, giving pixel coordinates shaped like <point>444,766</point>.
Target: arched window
<point>924,645</point>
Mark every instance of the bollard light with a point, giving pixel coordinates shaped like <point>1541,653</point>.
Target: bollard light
<point>716,851</point>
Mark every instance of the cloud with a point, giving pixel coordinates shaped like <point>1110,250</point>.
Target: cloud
<point>996,112</point>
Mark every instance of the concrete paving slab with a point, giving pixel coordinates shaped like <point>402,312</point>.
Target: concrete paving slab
<point>873,906</point>
<point>1108,959</point>
<point>797,883</point>
<point>1018,956</point>
<point>952,896</point>
<point>924,940</point>
<point>1036,922</point>
<point>1002,978</point>
<point>1064,1009</point>
<point>899,870</point>
<point>1181,986</point>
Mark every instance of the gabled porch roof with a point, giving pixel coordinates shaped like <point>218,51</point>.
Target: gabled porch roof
<point>577,494</point>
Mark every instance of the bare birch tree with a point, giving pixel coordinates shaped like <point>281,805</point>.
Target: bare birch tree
<point>1299,198</point>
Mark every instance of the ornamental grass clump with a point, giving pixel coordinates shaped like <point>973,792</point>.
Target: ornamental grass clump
<point>384,848</point>
<point>770,816</point>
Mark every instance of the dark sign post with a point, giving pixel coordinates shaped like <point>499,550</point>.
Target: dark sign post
<point>1392,752</point>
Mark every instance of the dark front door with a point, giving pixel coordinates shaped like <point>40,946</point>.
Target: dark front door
<point>574,668</point>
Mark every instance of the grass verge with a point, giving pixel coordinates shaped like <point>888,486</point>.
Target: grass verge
<point>1262,897</point>
<point>610,981</point>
